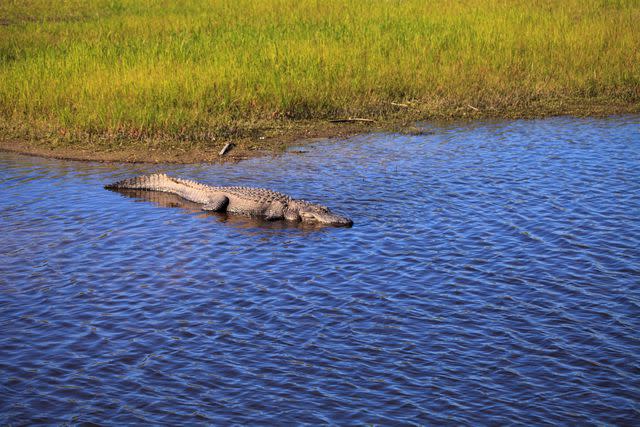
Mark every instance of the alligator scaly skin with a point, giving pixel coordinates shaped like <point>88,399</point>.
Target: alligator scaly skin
<point>259,202</point>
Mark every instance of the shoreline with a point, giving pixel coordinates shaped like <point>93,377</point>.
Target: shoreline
<point>165,151</point>
<point>280,135</point>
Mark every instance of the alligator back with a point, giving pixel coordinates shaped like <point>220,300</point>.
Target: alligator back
<point>194,191</point>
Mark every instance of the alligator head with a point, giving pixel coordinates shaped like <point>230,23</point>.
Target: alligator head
<point>311,212</point>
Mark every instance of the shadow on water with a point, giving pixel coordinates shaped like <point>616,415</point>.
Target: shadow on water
<point>168,200</point>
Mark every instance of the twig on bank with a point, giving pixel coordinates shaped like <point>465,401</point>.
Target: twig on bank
<point>472,107</point>
<point>397,104</point>
<point>351,120</point>
<point>226,148</point>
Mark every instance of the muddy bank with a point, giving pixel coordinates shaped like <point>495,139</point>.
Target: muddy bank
<point>272,138</point>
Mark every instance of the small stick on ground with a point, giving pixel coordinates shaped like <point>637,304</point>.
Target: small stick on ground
<point>472,107</point>
<point>351,120</point>
<point>226,148</point>
<point>397,104</point>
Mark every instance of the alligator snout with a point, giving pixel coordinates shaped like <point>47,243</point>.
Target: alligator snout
<point>327,218</point>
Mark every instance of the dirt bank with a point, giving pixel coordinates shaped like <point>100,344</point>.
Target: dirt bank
<point>275,137</point>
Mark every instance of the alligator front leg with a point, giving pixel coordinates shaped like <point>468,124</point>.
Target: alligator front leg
<point>291,214</point>
<point>275,211</point>
<point>216,204</point>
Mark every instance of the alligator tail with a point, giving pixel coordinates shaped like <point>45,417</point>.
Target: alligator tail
<point>143,182</point>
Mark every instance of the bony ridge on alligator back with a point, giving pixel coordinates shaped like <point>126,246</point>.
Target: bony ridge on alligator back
<point>260,202</point>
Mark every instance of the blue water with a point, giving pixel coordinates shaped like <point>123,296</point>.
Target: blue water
<point>492,277</point>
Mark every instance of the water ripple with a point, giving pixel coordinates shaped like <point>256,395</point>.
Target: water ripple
<point>491,277</point>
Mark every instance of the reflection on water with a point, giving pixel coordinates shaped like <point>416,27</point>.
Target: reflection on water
<point>165,200</point>
<point>491,278</point>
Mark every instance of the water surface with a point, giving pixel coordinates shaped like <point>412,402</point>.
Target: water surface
<point>492,276</point>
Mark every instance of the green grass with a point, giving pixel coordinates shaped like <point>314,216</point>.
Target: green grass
<point>196,69</point>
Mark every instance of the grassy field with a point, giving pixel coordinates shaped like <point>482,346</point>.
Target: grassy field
<point>194,72</point>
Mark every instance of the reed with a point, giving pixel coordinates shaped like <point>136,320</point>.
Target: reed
<point>130,69</point>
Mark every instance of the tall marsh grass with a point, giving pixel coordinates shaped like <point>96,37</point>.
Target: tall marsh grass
<point>144,67</point>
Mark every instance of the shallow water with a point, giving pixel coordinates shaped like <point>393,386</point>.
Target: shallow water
<point>492,276</point>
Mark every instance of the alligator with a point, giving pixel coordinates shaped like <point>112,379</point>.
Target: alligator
<point>260,202</point>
